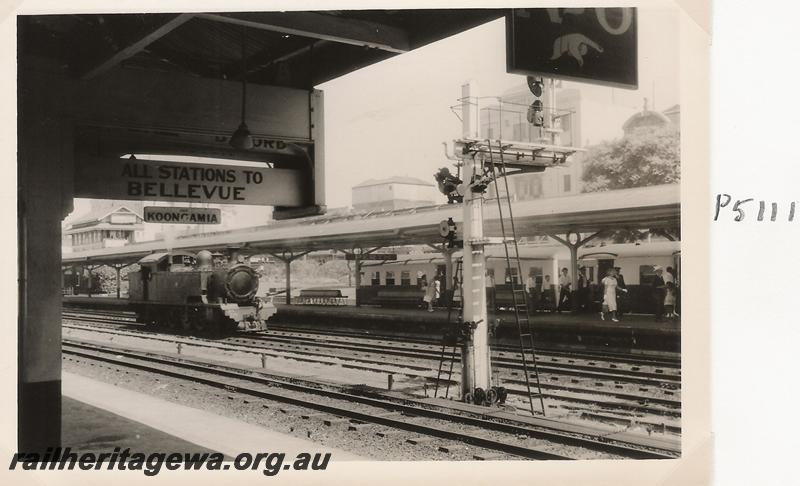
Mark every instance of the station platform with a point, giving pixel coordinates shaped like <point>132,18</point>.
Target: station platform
<point>632,332</point>
<point>97,417</point>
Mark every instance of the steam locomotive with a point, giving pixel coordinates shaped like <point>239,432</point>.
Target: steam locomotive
<point>186,291</point>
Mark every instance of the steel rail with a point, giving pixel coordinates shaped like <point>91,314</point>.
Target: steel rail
<point>663,361</point>
<point>598,372</point>
<point>599,443</point>
<point>641,406</point>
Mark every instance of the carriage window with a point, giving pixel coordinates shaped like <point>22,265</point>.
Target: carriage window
<point>646,274</point>
<point>389,278</point>
<point>376,278</point>
<point>405,278</point>
<point>513,275</point>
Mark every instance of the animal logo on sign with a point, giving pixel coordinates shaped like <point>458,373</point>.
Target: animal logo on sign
<point>577,45</point>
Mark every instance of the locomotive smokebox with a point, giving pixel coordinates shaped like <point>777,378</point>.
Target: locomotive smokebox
<point>238,284</point>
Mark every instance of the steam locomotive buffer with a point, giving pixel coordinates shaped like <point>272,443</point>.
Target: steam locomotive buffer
<point>181,290</point>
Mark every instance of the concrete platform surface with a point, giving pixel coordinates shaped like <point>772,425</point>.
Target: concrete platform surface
<point>86,428</point>
<point>194,428</point>
<point>439,315</point>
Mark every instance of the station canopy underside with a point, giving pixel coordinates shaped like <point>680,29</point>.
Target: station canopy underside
<point>298,49</point>
<point>655,207</point>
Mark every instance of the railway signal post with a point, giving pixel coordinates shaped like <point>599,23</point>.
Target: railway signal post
<point>475,357</point>
<point>482,161</point>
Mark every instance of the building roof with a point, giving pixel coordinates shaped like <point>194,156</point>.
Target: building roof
<point>103,226</point>
<point>99,213</point>
<point>556,250</point>
<point>394,180</point>
<point>672,109</point>
<point>644,207</point>
<point>645,118</point>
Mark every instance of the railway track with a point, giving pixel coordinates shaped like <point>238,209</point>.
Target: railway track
<point>663,369</point>
<point>472,426</point>
<point>667,360</point>
<point>592,394</point>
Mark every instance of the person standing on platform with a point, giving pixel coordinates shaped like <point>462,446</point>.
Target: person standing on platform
<point>583,290</point>
<point>669,300</point>
<point>530,285</point>
<point>671,277</point>
<point>564,288</point>
<point>490,291</point>
<point>430,294</point>
<point>609,296</point>
<point>437,286</point>
<point>456,296</point>
<point>622,292</point>
<point>548,294</point>
<point>423,286</point>
<point>659,286</point>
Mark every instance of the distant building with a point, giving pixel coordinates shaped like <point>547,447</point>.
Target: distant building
<point>674,115</point>
<point>394,193</point>
<point>576,116</point>
<point>103,227</point>
<point>649,119</point>
<point>506,120</point>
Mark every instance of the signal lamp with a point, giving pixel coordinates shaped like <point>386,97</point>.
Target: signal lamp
<point>536,86</point>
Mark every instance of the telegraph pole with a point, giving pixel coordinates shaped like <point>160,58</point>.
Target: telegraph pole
<point>475,357</point>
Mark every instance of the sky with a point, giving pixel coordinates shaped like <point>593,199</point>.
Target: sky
<point>390,119</point>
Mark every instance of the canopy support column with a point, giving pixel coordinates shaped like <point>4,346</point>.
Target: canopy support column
<point>117,269</point>
<point>89,282</point>
<point>287,257</point>
<point>356,254</point>
<point>573,241</point>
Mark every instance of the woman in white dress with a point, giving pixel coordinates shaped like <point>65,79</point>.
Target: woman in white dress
<point>610,295</point>
<point>430,295</point>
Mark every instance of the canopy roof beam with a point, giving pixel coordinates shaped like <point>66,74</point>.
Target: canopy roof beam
<point>322,27</point>
<point>137,46</point>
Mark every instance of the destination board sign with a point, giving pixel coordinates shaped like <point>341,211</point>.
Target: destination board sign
<point>594,45</point>
<point>153,180</point>
<point>160,214</point>
<point>320,300</point>
<point>372,256</point>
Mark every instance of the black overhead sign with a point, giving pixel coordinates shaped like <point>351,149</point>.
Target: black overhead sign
<point>595,45</point>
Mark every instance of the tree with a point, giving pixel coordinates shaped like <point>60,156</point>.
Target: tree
<point>647,157</point>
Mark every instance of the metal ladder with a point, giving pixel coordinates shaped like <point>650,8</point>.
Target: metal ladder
<point>519,298</point>
<point>450,334</point>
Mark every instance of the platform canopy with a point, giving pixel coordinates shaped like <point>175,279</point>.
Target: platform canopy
<point>640,208</point>
<point>289,49</point>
